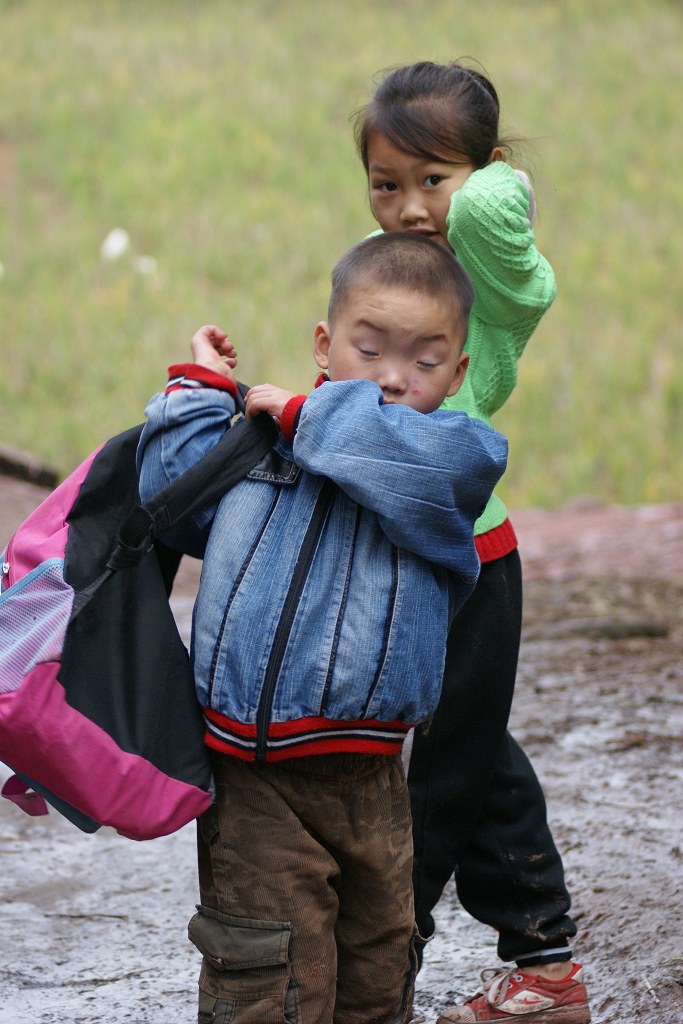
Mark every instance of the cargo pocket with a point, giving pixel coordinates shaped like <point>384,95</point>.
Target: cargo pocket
<point>246,968</point>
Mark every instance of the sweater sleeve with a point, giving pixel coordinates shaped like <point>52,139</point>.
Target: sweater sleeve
<point>490,233</point>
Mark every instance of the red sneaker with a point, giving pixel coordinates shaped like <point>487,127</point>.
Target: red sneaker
<point>509,995</point>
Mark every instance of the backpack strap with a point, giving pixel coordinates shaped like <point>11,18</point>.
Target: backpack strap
<point>228,462</point>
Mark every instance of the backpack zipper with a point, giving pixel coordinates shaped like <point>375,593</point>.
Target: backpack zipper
<point>7,565</point>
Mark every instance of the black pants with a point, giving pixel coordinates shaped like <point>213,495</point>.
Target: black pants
<point>478,808</point>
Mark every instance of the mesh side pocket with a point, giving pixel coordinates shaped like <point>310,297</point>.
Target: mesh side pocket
<point>34,615</point>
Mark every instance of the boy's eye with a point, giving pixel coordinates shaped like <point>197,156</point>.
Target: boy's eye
<point>425,365</point>
<point>368,352</point>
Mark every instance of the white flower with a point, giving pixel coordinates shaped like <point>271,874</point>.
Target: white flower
<point>115,244</point>
<point>145,264</point>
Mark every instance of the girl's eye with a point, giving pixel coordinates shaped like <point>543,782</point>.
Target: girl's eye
<point>432,180</point>
<point>385,186</point>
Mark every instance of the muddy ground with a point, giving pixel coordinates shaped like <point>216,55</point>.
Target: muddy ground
<point>92,928</point>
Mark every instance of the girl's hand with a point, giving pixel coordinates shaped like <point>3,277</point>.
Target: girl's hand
<point>524,178</point>
<point>267,398</point>
<point>212,349</point>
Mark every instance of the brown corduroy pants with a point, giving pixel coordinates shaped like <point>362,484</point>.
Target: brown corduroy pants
<point>306,912</point>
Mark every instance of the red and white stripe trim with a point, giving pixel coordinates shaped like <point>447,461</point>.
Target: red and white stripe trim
<point>190,376</point>
<point>303,737</point>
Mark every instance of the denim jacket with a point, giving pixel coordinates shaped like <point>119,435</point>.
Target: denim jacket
<point>331,573</point>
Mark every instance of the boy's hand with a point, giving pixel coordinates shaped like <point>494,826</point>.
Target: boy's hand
<point>212,349</point>
<point>266,398</point>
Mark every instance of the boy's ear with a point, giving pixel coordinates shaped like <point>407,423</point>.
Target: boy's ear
<point>459,377</point>
<point>321,344</point>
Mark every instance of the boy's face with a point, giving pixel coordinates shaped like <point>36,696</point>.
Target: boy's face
<point>407,343</point>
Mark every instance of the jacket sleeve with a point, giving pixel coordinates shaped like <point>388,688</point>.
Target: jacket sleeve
<point>426,476</point>
<point>490,232</point>
<point>183,423</point>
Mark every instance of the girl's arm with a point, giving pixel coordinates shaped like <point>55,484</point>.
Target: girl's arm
<point>426,476</point>
<point>489,230</point>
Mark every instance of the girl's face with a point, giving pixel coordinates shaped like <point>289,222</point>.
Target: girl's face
<point>411,193</point>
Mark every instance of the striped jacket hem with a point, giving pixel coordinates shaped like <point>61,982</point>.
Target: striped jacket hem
<point>303,737</point>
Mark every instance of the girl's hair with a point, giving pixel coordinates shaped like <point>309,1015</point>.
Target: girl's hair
<point>436,111</point>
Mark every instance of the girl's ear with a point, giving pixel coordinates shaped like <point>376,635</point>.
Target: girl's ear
<point>321,344</point>
<point>497,153</point>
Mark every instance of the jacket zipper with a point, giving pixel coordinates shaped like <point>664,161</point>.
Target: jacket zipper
<point>288,613</point>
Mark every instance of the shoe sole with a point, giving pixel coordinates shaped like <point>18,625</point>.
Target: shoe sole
<point>576,1014</point>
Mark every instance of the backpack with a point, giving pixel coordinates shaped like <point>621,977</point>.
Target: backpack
<point>98,711</point>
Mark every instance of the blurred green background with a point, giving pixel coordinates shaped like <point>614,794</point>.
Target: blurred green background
<point>217,135</point>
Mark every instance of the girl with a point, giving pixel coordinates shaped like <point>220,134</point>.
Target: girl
<point>429,141</point>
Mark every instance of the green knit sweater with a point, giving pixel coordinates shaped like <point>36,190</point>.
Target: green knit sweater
<point>490,233</point>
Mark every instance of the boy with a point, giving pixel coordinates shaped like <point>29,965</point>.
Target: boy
<point>331,575</point>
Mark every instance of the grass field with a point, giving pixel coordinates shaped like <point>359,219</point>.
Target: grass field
<point>217,135</point>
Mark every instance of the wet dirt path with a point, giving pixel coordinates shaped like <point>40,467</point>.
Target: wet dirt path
<point>93,928</point>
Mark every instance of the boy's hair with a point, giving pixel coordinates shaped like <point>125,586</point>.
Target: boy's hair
<point>402,259</point>
<point>439,112</point>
